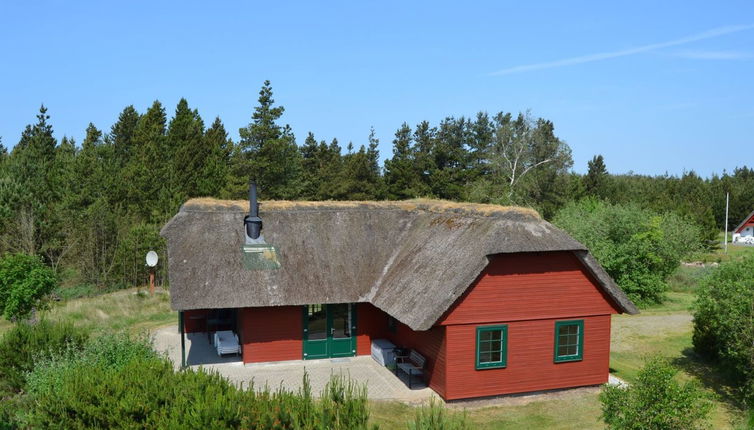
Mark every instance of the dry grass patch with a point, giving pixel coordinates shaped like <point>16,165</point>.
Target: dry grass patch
<point>429,205</point>
<point>133,310</point>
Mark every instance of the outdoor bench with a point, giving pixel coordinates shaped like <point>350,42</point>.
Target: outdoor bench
<point>413,364</point>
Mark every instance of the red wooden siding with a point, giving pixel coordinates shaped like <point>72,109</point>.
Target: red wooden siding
<point>530,286</point>
<point>195,320</point>
<point>371,323</point>
<point>271,333</point>
<point>749,223</point>
<point>530,364</point>
<point>432,345</point>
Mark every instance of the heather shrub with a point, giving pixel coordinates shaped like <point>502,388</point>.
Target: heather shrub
<point>656,401</point>
<point>25,344</point>
<point>119,382</point>
<point>724,322</point>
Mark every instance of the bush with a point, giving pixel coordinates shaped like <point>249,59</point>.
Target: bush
<point>657,401</point>
<point>24,282</point>
<point>639,248</point>
<point>724,322</point>
<point>119,382</point>
<point>25,344</point>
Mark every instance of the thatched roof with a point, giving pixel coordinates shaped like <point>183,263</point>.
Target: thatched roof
<point>412,259</point>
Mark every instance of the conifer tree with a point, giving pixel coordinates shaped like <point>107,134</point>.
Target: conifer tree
<point>330,169</point>
<point>32,165</point>
<point>310,168</point>
<point>360,178</point>
<point>424,137</point>
<point>401,175</point>
<point>3,153</point>
<point>450,159</point>
<point>595,181</point>
<point>148,170</point>
<point>268,152</point>
<point>214,177</point>
<point>186,149</point>
<point>122,134</point>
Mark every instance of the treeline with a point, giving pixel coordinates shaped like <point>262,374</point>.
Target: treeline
<point>93,210</point>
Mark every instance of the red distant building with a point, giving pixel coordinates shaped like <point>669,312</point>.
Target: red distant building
<point>744,232</point>
<point>497,300</point>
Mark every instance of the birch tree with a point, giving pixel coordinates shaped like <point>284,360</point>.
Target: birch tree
<point>523,146</point>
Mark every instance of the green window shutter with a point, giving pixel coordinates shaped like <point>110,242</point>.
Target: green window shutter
<point>491,347</point>
<point>569,341</point>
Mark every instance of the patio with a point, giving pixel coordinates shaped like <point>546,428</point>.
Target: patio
<point>381,383</point>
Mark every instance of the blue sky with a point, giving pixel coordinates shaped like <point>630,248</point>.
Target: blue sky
<point>653,86</point>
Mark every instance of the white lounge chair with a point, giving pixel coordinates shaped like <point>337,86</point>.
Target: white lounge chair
<point>226,342</point>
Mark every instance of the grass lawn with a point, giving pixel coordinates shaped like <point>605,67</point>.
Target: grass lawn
<point>132,309</point>
<point>580,412</point>
<point>719,255</point>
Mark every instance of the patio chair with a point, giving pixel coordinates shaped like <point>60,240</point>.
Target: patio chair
<point>226,342</point>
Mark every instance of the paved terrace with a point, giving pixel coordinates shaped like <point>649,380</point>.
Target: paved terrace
<point>381,383</point>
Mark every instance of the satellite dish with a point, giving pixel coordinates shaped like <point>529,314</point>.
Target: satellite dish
<point>152,258</point>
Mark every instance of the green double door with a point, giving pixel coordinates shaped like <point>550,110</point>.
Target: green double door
<point>329,331</point>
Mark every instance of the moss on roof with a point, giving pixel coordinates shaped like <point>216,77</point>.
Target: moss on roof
<point>208,204</point>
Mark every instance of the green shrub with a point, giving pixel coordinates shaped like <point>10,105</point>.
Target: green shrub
<point>639,248</point>
<point>25,344</point>
<point>435,417</point>
<point>119,382</point>
<point>657,401</point>
<point>724,322</point>
<point>24,282</point>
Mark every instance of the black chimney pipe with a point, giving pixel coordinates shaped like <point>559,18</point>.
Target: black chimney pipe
<point>252,222</point>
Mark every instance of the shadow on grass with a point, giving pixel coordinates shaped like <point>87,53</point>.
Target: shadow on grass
<point>709,374</point>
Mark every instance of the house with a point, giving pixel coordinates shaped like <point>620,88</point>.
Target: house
<point>496,299</point>
<point>744,232</point>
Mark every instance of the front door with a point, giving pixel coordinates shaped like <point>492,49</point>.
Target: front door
<point>329,331</point>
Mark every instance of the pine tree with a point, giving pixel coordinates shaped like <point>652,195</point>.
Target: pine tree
<point>214,177</point>
<point>450,159</point>
<point>91,180</point>
<point>596,178</point>
<point>424,137</point>
<point>268,152</point>
<point>3,153</point>
<point>360,178</point>
<point>310,168</point>
<point>32,165</point>
<point>373,158</point>
<point>122,134</point>
<point>148,171</point>
<point>330,169</point>
<point>401,175</point>
<point>186,150</point>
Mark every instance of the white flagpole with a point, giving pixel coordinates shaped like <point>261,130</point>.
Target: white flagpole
<point>727,201</point>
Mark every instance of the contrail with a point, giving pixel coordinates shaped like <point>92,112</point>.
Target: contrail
<point>717,32</point>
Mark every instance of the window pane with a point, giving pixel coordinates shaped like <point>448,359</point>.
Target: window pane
<point>484,357</point>
<point>564,340</point>
<point>317,323</point>
<point>341,316</point>
<point>562,350</point>
<point>496,335</point>
<point>485,335</point>
<point>495,357</point>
